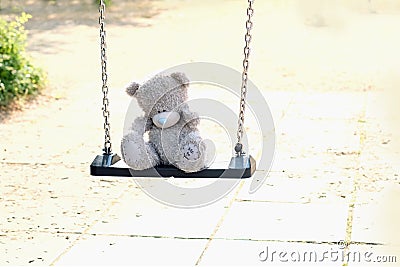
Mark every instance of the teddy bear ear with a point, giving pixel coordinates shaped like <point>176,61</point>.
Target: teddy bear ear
<point>180,77</point>
<point>132,88</point>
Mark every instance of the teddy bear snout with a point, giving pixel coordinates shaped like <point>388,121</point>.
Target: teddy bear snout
<point>166,119</point>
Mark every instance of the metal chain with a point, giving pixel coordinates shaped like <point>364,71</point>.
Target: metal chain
<point>243,91</point>
<point>104,88</point>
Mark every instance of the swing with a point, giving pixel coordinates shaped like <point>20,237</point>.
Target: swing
<point>110,164</point>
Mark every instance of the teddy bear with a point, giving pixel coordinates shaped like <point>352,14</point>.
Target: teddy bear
<point>173,135</point>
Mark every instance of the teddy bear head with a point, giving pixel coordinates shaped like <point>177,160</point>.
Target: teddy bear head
<point>162,97</point>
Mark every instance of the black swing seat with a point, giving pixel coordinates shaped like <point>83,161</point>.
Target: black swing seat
<point>112,165</point>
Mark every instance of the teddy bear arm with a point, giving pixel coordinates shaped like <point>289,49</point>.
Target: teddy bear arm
<point>141,125</point>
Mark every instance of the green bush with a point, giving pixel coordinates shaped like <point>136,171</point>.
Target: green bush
<point>18,77</point>
<point>106,2</point>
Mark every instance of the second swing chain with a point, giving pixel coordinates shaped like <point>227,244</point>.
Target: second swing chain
<point>243,91</point>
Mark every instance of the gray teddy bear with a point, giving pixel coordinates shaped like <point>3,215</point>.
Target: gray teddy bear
<point>173,137</point>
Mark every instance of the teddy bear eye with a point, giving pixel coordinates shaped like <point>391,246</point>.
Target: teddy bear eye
<point>164,110</point>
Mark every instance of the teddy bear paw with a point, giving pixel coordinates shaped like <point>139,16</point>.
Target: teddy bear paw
<point>191,158</point>
<point>138,155</point>
<point>191,151</point>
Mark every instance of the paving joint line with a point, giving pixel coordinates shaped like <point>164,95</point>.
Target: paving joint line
<point>205,238</point>
<point>43,163</point>
<point>353,199</point>
<point>273,201</point>
<point>221,220</point>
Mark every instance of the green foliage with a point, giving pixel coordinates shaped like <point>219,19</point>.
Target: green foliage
<point>106,2</point>
<point>18,77</point>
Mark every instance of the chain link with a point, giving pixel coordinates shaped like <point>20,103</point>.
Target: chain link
<point>243,91</point>
<point>104,88</point>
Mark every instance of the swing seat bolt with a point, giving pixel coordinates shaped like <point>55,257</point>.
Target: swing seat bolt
<point>238,148</point>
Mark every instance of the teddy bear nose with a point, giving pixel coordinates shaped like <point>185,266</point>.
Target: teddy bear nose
<point>165,119</point>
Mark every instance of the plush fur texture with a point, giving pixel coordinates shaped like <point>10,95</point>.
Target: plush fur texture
<point>179,145</point>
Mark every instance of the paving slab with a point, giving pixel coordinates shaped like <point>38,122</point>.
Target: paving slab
<point>318,135</point>
<point>131,250</point>
<point>381,153</point>
<point>33,248</point>
<point>278,103</point>
<point>65,214</point>
<point>55,197</point>
<point>314,165</point>
<point>242,252</point>
<point>141,215</point>
<point>285,221</point>
<point>32,181</point>
<point>327,105</point>
<point>378,220</point>
<point>315,145</point>
<point>308,187</point>
<point>382,105</point>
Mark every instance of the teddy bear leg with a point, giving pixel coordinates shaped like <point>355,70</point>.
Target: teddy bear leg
<point>191,157</point>
<point>138,154</point>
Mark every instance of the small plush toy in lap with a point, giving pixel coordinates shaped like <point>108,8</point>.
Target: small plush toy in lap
<point>174,138</point>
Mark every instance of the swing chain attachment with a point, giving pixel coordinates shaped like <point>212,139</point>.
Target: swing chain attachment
<point>106,113</point>
<point>243,91</point>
